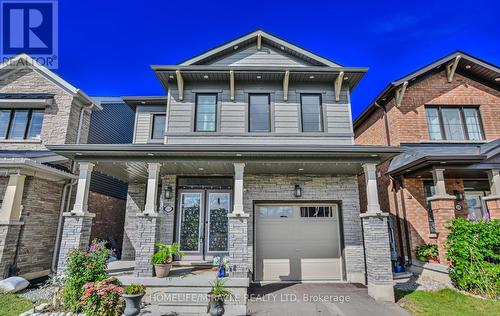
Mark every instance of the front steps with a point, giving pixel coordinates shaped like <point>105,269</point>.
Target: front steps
<point>184,292</point>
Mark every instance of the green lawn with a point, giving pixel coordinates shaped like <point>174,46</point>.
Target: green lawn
<point>13,305</point>
<point>445,302</point>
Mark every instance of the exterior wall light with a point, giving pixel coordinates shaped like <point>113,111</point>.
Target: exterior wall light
<point>459,195</point>
<point>297,191</point>
<point>167,192</point>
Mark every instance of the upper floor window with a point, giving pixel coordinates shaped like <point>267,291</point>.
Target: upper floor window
<point>158,126</point>
<point>311,112</point>
<point>20,123</point>
<point>454,123</point>
<point>259,112</point>
<point>206,113</point>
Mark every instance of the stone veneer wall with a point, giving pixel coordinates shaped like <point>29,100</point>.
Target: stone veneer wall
<point>314,187</point>
<point>135,204</point>
<point>41,205</point>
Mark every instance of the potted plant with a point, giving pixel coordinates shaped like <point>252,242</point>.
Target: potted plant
<point>133,294</point>
<point>427,252</point>
<point>163,258</point>
<point>217,295</point>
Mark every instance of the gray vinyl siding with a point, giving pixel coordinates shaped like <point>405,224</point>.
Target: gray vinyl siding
<point>143,121</point>
<point>266,56</point>
<point>232,118</point>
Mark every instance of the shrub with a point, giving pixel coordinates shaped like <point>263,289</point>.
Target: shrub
<point>165,253</point>
<point>102,298</point>
<point>427,251</point>
<point>134,289</point>
<point>83,267</point>
<point>474,252</point>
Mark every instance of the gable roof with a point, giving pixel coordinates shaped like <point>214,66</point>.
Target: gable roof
<point>267,38</point>
<point>25,60</point>
<point>468,66</point>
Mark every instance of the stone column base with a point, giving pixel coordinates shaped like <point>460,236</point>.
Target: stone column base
<point>9,237</point>
<point>75,235</point>
<point>493,206</point>
<point>238,244</point>
<point>147,236</point>
<point>378,256</point>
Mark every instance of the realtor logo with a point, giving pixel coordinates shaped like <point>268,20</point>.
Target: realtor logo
<point>29,26</point>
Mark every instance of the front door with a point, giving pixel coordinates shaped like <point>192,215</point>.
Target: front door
<point>203,224</point>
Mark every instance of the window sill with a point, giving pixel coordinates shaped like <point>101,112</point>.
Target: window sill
<point>21,141</point>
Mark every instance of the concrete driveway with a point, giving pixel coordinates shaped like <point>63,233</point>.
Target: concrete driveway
<point>317,299</point>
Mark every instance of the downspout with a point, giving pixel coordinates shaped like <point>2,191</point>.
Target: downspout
<point>386,123</point>
<point>55,255</point>
<point>405,221</point>
<point>67,191</point>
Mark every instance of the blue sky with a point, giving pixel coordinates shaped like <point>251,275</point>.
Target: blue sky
<point>107,47</point>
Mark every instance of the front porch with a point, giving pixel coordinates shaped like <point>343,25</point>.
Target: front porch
<point>303,186</point>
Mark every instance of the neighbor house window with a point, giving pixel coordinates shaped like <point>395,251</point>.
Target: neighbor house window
<point>206,112</point>
<point>454,123</point>
<point>20,124</point>
<point>158,128</point>
<point>310,105</point>
<point>259,113</point>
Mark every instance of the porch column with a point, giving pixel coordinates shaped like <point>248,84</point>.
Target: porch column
<point>443,209</point>
<point>10,224</point>
<point>376,239</point>
<point>77,222</point>
<point>148,223</point>
<point>238,228</point>
<point>493,200</point>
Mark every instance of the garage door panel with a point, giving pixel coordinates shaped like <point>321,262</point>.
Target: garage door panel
<point>297,248</point>
<point>330,268</point>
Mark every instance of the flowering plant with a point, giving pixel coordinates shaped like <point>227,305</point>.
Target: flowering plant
<point>83,267</point>
<point>221,262</point>
<point>102,298</point>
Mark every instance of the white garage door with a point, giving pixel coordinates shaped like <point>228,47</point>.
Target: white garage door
<point>297,242</point>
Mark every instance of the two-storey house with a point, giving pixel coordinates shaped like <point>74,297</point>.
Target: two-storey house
<point>250,155</point>
<point>37,108</point>
<point>447,117</point>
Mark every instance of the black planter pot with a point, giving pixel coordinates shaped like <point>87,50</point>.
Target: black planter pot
<point>132,304</point>
<point>216,308</point>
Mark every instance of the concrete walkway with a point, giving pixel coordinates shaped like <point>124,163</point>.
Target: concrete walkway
<point>317,299</point>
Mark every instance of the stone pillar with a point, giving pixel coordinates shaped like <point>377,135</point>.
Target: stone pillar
<point>75,235</point>
<point>443,209</point>
<point>147,236</point>
<point>238,227</point>
<point>238,244</point>
<point>376,239</point>
<point>148,224</point>
<point>77,222</point>
<point>9,237</point>
<point>10,224</point>
<point>493,200</point>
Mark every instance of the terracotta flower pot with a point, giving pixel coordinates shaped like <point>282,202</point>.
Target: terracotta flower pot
<point>433,260</point>
<point>132,304</point>
<point>162,270</point>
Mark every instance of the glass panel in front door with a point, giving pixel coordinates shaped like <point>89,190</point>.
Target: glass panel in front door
<point>475,205</point>
<point>190,209</point>
<point>218,208</point>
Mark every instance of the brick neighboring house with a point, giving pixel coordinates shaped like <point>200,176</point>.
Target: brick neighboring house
<point>37,107</point>
<point>447,117</point>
